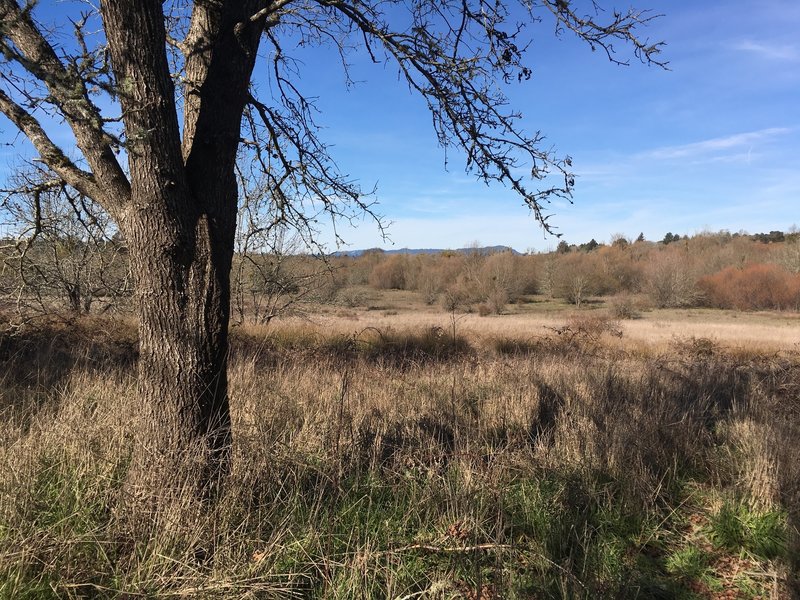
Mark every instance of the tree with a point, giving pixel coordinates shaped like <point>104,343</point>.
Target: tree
<point>63,254</point>
<point>563,247</point>
<point>770,238</point>
<point>618,240</point>
<point>170,184</point>
<point>577,278</point>
<point>671,279</point>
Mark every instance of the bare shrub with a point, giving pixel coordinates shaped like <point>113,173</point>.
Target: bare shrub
<point>548,275</point>
<point>401,347</point>
<point>593,325</point>
<point>623,307</point>
<point>514,274</point>
<point>576,278</point>
<point>351,297</point>
<point>429,288</point>
<point>622,270</point>
<point>455,297</point>
<point>755,287</point>
<point>670,280</point>
<point>359,268</point>
<point>497,299</point>
<point>390,274</point>
<point>789,255</point>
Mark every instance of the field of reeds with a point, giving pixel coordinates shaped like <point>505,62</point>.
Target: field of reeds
<point>431,460</point>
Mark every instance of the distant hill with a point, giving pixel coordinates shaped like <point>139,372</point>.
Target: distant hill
<point>482,250</point>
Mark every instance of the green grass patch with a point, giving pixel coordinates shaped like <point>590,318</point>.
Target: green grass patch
<point>736,527</point>
<point>688,562</point>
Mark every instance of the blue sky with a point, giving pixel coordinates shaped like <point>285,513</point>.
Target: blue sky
<point>714,143</point>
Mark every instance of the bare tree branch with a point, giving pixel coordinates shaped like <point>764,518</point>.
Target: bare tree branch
<point>51,154</point>
<point>269,12</point>
<point>68,92</point>
<point>455,53</point>
<point>63,255</point>
<point>622,27</point>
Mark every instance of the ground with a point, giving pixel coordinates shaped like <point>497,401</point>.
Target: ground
<point>390,449</point>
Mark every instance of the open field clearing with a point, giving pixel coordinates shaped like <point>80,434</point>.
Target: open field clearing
<point>384,456</point>
<point>767,331</point>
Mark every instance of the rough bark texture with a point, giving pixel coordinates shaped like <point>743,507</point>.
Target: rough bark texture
<point>180,228</point>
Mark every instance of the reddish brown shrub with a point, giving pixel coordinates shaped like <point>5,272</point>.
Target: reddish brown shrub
<point>754,287</point>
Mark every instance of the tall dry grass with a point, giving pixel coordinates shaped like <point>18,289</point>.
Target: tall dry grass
<point>415,464</point>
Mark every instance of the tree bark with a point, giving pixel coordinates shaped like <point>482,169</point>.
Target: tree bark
<point>180,229</point>
<point>183,436</point>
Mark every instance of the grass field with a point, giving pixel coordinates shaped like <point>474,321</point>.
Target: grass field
<point>394,450</point>
<point>771,331</point>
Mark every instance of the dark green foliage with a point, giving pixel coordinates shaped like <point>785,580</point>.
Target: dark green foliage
<point>769,238</point>
<point>735,527</point>
<point>669,237</point>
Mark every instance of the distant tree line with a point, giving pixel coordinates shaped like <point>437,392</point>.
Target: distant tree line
<point>81,266</point>
<point>669,237</point>
<point>718,269</point>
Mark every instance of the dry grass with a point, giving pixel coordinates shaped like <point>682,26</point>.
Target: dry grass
<point>765,332</point>
<point>417,460</point>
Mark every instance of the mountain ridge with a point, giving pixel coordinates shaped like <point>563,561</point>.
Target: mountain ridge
<point>416,251</point>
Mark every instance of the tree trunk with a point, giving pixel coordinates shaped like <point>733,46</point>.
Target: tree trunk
<point>184,432</point>
<point>180,227</point>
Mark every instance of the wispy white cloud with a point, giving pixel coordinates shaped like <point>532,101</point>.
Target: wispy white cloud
<point>770,50</point>
<point>714,147</point>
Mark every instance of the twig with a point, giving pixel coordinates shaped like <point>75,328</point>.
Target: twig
<point>432,548</point>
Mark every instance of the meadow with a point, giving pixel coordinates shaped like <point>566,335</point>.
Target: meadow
<point>395,450</point>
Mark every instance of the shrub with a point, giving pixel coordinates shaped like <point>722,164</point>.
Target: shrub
<point>497,299</point>
<point>390,274</point>
<point>670,281</point>
<point>454,297</point>
<point>351,297</point>
<point>755,287</point>
<point>576,278</point>
<point>593,325</point>
<point>622,307</point>
<point>511,274</point>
